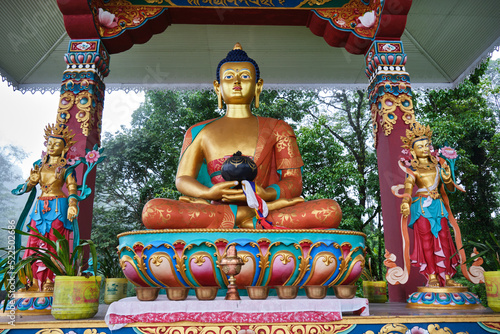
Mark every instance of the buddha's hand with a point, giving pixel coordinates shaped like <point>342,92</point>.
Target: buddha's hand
<point>267,195</point>
<point>445,173</point>
<point>34,176</point>
<point>405,209</point>
<point>222,191</point>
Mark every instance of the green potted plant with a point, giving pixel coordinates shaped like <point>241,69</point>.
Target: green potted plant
<point>76,294</point>
<point>489,253</point>
<point>116,284</point>
<point>374,290</point>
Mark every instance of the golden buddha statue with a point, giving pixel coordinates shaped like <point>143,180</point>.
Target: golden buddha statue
<point>52,210</point>
<point>434,250</point>
<point>211,202</point>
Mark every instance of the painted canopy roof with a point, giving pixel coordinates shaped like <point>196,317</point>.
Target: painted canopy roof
<point>298,44</point>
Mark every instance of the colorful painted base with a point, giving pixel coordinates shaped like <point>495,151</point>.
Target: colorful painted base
<point>170,258</point>
<point>30,303</point>
<point>443,298</point>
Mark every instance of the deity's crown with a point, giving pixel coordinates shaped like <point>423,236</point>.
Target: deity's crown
<point>416,132</point>
<point>60,131</point>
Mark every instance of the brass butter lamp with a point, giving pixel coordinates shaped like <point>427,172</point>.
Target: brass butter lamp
<point>231,265</point>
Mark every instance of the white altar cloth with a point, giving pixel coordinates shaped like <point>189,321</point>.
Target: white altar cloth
<point>271,310</point>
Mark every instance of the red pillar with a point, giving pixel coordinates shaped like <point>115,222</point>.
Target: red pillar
<point>392,113</point>
<point>80,108</point>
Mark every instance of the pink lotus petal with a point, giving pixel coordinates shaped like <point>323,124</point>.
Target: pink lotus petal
<point>368,19</point>
<point>92,156</point>
<point>107,19</point>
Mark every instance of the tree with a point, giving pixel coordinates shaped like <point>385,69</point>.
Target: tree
<point>9,174</point>
<point>10,206</point>
<point>464,119</point>
<point>340,163</point>
<point>142,160</point>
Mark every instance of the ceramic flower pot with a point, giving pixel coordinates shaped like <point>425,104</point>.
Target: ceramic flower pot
<point>375,291</point>
<point>492,279</point>
<point>115,289</point>
<point>75,297</point>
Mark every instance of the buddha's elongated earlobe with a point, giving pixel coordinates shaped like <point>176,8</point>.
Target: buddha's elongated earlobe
<point>219,95</point>
<point>258,90</point>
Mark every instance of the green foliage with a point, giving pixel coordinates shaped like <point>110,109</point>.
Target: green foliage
<point>464,119</point>
<point>489,251</point>
<point>61,261</point>
<point>109,264</point>
<point>340,163</point>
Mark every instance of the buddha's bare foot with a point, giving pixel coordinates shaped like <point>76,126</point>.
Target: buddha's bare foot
<point>283,203</point>
<point>433,282</point>
<point>451,282</point>
<point>187,199</point>
<point>247,223</point>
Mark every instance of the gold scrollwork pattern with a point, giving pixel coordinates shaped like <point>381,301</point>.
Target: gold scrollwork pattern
<point>86,109</point>
<point>384,111</point>
<point>156,260</point>
<point>92,331</point>
<point>317,2</point>
<point>66,102</point>
<point>347,264</point>
<point>199,260</point>
<point>400,328</point>
<point>299,328</point>
<point>50,331</point>
<point>375,127</point>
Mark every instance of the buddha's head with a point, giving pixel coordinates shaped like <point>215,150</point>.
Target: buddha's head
<point>59,140</point>
<point>238,79</point>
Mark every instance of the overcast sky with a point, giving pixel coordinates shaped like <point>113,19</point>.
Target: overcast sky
<point>25,117</point>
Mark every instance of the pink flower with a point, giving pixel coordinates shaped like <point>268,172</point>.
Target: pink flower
<point>92,156</point>
<point>405,151</point>
<point>107,19</point>
<point>407,163</point>
<point>70,161</point>
<point>449,152</point>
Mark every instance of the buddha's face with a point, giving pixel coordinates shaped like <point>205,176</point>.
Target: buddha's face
<point>55,147</point>
<point>237,82</point>
<point>421,148</point>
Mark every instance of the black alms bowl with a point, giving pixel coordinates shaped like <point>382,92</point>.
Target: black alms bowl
<point>239,168</point>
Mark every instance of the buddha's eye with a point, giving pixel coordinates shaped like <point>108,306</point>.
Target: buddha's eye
<point>228,76</point>
<point>245,76</point>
